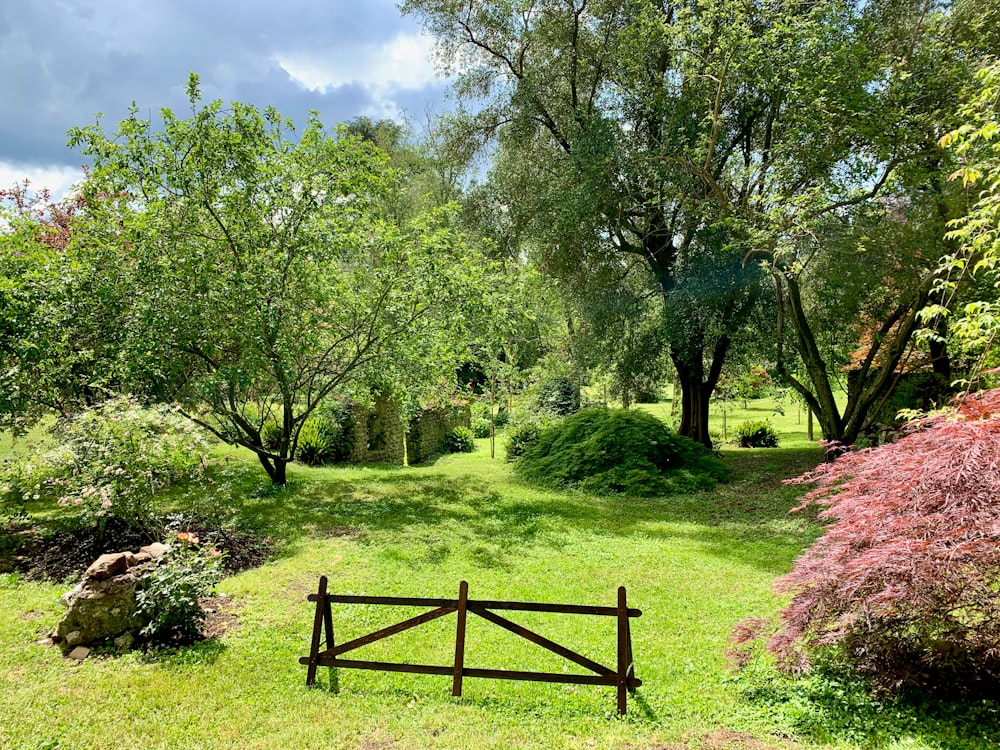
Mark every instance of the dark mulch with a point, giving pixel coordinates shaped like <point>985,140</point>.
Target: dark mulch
<point>42,555</point>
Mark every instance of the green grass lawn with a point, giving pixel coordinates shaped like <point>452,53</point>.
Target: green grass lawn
<point>695,565</point>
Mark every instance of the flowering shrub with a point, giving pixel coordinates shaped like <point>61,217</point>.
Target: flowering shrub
<point>168,600</point>
<point>905,581</point>
<point>111,461</point>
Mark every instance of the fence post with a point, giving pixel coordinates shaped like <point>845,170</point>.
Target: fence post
<point>321,606</point>
<point>622,652</point>
<point>463,598</point>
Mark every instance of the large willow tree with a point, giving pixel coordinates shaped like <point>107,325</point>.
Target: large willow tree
<point>684,135</point>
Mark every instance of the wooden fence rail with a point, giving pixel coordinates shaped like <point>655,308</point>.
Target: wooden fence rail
<point>622,677</point>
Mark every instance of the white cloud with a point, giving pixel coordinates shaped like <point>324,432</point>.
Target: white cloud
<point>56,179</point>
<point>403,63</point>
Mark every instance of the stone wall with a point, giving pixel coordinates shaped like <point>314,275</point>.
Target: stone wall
<point>430,427</point>
<point>375,434</point>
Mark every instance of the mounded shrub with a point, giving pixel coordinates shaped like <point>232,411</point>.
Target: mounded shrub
<point>459,440</point>
<point>756,433</point>
<point>903,584</point>
<point>618,451</point>
<point>110,462</point>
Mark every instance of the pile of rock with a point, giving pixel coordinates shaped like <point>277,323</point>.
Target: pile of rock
<point>102,607</point>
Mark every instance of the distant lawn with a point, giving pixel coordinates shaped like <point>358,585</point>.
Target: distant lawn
<point>695,565</point>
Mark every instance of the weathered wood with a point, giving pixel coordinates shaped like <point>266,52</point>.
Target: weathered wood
<point>544,642</point>
<point>378,635</point>
<point>463,597</point>
<point>623,678</point>
<point>321,604</point>
<point>409,601</point>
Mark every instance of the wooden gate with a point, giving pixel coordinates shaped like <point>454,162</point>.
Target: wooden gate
<point>622,677</point>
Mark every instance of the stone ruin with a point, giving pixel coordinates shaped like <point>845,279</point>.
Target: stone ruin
<point>102,607</point>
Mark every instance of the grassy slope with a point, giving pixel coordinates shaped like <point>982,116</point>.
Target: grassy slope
<point>695,565</point>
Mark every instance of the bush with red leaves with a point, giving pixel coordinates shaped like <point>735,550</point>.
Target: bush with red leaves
<point>905,581</point>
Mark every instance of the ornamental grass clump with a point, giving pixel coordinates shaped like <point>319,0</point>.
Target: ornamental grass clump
<point>618,451</point>
<point>905,581</point>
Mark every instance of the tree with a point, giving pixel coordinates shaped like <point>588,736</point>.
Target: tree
<point>59,332</point>
<point>904,578</point>
<point>266,265</point>
<point>673,132</point>
<point>854,279</point>
<point>976,144</point>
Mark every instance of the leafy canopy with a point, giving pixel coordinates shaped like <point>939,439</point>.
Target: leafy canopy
<point>266,269</point>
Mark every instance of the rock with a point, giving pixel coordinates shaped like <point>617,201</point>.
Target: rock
<point>155,550</point>
<point>143,557</point>
<point>125,641</point>
<point>107,566</point>
<point>79,653</point>
<point>102,609</point>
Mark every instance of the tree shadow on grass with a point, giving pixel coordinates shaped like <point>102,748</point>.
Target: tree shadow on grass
<point>833,708</point>
<point>433,512</point>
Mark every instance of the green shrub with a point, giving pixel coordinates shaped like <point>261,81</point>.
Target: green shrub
<point>617,451</point>
<point>270,435</point>
<point>559,396</point>
<point>501,418</point>
<point>524,432</point>
<point>756,433</point>
<point>481,427</point>
<point>315,445</point>
<point>168,600</point>
<point>459,440</point>
<point>110,461</point>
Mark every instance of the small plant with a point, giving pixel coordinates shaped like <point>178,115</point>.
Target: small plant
<point>168,600</point>
<point>270,434</point>
<point>524,433</point>
<point>481,427</point>
<point>459,440</point>
<point>316,445</point>
<point>756,433</point>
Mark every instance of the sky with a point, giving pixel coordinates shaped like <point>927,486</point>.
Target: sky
<point>64,61</point>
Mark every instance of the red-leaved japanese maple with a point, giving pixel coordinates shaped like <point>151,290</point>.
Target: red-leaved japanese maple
<point>906,578</point>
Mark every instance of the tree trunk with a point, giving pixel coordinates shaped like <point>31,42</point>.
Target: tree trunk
<point>275,468</point>
<point>694,405</point>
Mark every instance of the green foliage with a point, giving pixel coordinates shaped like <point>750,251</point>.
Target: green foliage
<point>524,432</point>
<point>619,451</point>
<point>270,434</point>
<point>268,266</point>
<point>756,433</point>
<point>481,427</point>
<point>459,440</point>
<point>111,461</point>
<point>168,600</point>
<point>559,396</point>
<point>316,446</point>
